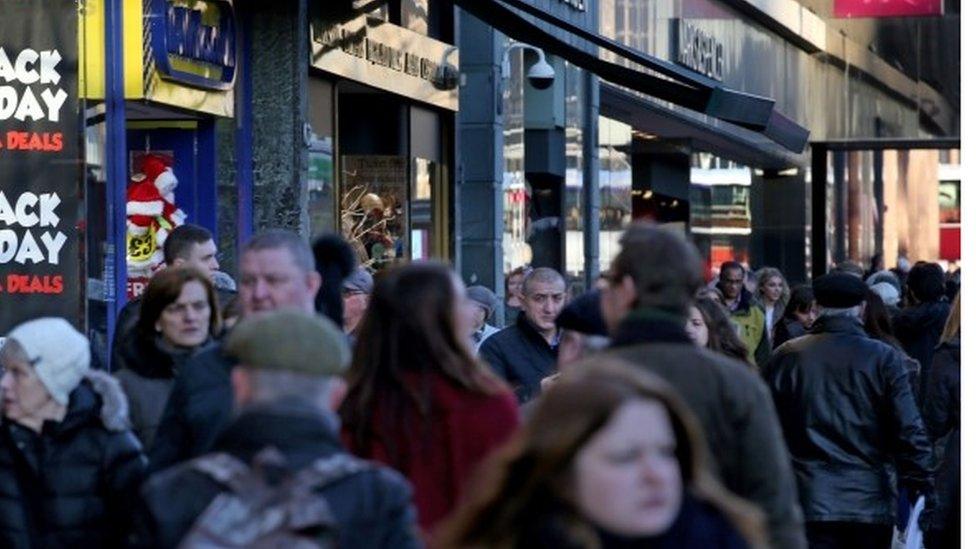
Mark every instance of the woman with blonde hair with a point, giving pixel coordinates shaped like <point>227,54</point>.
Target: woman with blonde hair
<point>772,295</point>
<point>610,457</point>
<point>940,410</point>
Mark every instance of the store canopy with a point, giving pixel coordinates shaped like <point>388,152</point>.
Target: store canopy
<point>669,82</point>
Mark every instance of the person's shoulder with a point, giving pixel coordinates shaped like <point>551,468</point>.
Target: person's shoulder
<point>205,365</point>
<point>497,341</point>
<point>370,488</point>
<point>176,485</point>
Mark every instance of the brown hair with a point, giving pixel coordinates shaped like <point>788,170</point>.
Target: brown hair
<point>165,288</point>
<point>665,267</point>
<point>526,487</point>
<point>722,337</point>
<point>408,327</point>
<point>954,322</point>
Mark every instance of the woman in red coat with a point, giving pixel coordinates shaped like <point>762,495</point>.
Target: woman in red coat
<point>418,399</point>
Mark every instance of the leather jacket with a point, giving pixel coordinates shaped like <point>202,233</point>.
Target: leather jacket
<point>850,422</point>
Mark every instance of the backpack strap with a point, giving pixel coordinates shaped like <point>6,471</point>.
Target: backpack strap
<point>223,468</point>
<point>325,471</point>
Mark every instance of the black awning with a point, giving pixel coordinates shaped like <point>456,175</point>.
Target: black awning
<point>675,84</point>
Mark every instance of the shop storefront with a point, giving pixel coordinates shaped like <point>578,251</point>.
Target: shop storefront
<point>741,195</point>
<point>382,101</point>
<point>179,66</point>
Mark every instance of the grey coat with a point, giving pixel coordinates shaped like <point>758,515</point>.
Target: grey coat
<point>147,374</point>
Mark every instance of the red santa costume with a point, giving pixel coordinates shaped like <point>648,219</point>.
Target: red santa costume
<point>150,206</point>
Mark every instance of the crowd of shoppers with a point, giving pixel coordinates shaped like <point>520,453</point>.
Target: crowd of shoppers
<point>313,402</point>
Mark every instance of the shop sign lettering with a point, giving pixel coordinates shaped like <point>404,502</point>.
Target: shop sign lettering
<point>200,34</point>
<point>28,68</point>
<point>698,50</point>
<point>358,44</point>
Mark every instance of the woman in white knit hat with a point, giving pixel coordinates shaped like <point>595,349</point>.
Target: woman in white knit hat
<point>70,467</point>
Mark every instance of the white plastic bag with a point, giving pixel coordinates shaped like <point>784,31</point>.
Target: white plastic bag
<point>913,532</point>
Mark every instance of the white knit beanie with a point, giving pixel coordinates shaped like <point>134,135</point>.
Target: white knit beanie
<point>59,353</point>
<point>887,292</point>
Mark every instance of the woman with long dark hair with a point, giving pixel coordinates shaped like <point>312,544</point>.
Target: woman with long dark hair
<point>418,399</point>
<point>609,458</point>
<point>709,326</point>
<point>179,316</point>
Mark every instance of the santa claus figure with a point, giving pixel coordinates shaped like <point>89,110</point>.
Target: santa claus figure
<point>151,213</point>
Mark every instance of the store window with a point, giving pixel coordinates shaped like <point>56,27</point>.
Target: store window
<point>720,210</point>
<point>516,250</point>
<point>616,184</point>
<point>574,207</point>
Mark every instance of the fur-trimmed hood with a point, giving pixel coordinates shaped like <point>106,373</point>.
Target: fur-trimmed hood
<point>114,412</point>
<point>98,397</point>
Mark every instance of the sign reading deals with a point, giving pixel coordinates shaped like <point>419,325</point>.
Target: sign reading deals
<point>39,161</point>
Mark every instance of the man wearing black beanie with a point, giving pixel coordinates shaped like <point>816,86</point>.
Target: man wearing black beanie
<point>919,326</point>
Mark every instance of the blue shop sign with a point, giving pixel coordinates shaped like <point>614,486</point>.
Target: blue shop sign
<point>195,42</point>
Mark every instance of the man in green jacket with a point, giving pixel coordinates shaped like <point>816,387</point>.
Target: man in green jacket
<point>651,285</point>
<point>747,316</point>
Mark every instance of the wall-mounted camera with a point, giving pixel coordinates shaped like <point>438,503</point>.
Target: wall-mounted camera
<point>540,74</point>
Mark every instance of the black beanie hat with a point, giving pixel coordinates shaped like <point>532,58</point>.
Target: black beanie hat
<point>839,290</point>
<point>583,315</point>
<point>927,281</point>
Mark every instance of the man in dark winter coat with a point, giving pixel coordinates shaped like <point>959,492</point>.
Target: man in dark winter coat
<point>286,387</point>
<point>188,245</point>
<point>849,416</point>
<point>525,353</point>
<point>277,271</point>
<point>70,467</point>
<point>919,326</point>
<point>652,282</point>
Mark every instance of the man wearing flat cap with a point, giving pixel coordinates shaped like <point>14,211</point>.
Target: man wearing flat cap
<point>287,385</point>
<point>481,305</point>
<point>850,422</point>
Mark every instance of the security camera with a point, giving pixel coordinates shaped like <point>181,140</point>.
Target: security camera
<point>446,77</point>
<point>541,75</point>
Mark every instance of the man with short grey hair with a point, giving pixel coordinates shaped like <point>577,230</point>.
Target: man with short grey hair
<point>525,353</point>
<point>287,387</point>
<point>850,421</point>
<point>277,271</point>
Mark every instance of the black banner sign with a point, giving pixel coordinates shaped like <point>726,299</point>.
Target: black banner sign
<point>39,162</point>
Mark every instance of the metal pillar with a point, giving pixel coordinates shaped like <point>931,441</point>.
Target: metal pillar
<point>115,166</point>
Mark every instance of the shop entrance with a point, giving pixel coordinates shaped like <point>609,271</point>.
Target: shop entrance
<point>394,187</point>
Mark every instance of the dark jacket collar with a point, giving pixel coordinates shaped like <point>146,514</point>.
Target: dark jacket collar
<point>838,325</point>
<point>297,430</point>
<point>530,331</point>
<point>745,302</point>
<point>153,358</point>
<point>650,326</point>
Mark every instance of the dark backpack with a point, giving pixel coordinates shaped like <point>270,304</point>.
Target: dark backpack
<point>265,506</point>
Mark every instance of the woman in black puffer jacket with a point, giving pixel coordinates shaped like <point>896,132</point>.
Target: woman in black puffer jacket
<point>69,466</point>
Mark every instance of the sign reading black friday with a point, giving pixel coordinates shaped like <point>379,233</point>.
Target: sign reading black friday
<point>39,162</point>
